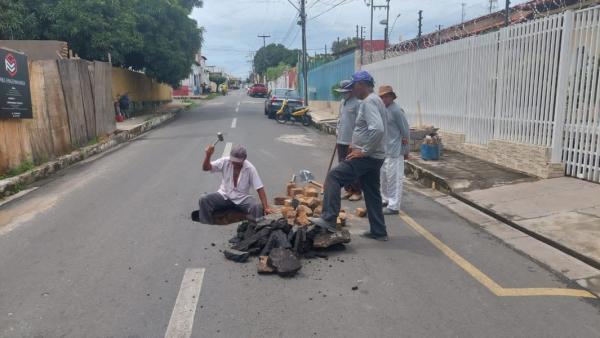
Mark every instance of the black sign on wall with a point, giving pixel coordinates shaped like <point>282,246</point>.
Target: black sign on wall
<point>15,96</point>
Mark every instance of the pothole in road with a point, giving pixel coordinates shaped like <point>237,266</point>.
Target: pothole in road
<point>299,140</point>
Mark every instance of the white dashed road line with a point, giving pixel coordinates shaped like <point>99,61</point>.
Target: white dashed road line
<point>234,122</point>
<point>182,318</point>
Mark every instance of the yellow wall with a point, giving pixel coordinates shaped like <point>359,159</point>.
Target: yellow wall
<point>138,86</point>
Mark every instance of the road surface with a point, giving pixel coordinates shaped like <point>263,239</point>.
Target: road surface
<point>107,249</point>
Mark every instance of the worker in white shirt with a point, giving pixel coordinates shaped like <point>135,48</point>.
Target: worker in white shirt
<point>397,148</point>
<point>238,176</point>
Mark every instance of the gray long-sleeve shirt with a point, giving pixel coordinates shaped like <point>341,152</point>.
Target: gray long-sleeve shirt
<point>347,120</point>
<point>397,129</point>
<point>369,132</point>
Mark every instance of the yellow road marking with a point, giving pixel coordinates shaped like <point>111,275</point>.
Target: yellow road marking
<point>482,278</point>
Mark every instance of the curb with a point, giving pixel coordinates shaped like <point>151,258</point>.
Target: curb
<point>12,185</point>
<point>328,128</point>
<point>430,179</point>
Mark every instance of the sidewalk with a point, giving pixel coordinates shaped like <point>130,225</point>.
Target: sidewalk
<point>563,212</point>
<point>325,121</point>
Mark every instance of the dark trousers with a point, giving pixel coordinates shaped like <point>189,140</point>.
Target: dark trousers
<point>343,150</point>
<point>209,203</point>
<point>367,171</point>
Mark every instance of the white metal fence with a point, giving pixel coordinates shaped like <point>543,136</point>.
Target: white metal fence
<point>535,83</point>
<point>581,145</point>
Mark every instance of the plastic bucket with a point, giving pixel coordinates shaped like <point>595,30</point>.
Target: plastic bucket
<point>430,152</point>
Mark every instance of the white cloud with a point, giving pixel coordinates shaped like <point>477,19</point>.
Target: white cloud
<point>232,26</point>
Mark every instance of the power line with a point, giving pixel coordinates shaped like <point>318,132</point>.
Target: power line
<point>342,2</point>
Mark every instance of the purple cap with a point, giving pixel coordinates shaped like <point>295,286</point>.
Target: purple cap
<point>362,75</point>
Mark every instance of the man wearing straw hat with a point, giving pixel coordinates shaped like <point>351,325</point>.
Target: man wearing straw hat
<point>345,127</point>
<point>397,141</point>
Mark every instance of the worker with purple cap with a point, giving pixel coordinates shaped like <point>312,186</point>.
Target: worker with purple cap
<point>364,161</point>
<point>238,176</point>
<point>345,127</point>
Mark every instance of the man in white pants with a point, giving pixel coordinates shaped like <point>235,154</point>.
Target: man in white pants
<point>397,148</point>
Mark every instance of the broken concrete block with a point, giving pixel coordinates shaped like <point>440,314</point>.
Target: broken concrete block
<point>304,210</point>
<point>342,216</point>
<point>292,214</point>
<point>361,212</point>
<point>303,220</point>
<point>285,210</point>
<point>284,262</point>
<point>297,191</point>
<point>311,192</point>
<point>325,240</point>
<point>313,202</point>
<point>287,202</point>
<point>263,266</point>
<point>279,200</point>
<point>289,188</point>
<point>236,255</point>
<point>318,211</point>
<point>340,223</point>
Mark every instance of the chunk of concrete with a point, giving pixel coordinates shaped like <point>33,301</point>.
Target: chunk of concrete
<point>325,240</point>
<point>285,263</point>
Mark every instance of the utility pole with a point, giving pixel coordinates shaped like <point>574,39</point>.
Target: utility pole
<point>439,32</point>
<point>362,44</point>
<point>493,4</point>
<point>463,12</point>
<point>507,13</point>
<point>420,29</point>
<point>264,37</point>
<point>304,70</point>
<point>371,34</point>
<point>387,26</point>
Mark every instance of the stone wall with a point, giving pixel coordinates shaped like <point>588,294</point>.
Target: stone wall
<point>533,160</point>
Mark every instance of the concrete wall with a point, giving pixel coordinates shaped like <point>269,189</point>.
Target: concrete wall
<point>328,106</point>
<point>530,159</point>
<point>143,91</point>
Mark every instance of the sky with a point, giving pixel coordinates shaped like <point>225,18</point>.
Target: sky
<point>232,26</point>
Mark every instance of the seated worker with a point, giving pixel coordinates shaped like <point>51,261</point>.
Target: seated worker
<point>238,176</point>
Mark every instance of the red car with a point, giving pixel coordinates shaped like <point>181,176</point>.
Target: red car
<point>258,89</point>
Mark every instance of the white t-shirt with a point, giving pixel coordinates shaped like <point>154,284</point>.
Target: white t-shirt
<point>247,179</point>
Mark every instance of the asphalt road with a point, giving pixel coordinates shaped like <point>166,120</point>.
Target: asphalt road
<point>101,251</point>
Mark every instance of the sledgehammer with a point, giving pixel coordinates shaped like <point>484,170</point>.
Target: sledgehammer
<point>219,138</point>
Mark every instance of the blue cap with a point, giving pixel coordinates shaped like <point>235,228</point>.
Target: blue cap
<point>361,75</point>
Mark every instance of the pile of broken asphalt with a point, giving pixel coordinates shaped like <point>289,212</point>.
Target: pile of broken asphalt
<point>280,245</point>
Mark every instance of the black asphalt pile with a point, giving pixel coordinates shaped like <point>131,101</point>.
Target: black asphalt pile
<point>280,245</point>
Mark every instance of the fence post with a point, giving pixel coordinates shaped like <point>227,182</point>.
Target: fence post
<point>566,52</point>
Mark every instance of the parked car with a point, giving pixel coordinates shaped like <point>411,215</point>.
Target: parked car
<point>273,103</point>
<point>258,89</point>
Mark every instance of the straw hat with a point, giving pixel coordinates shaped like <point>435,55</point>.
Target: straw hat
<point>386,90</point>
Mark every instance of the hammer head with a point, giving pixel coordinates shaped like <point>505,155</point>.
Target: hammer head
<point>303,176</point>
<point>220,136</point>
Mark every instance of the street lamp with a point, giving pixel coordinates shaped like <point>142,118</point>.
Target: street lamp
<point>394,24</point>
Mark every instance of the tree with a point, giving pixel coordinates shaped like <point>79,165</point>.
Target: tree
<point>16,20</point>
<point>273,73</point>
<point>95,28</point>
<point>344,45</point>
<point>154,36</point>
<point>217,78</point>
<point>171,40</point>
<point>272,55</point>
